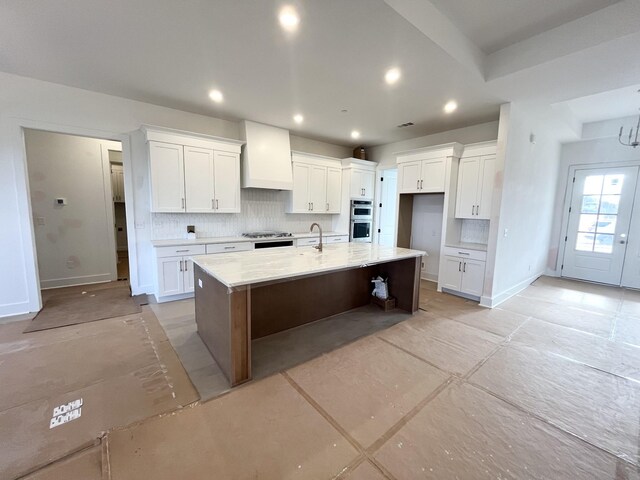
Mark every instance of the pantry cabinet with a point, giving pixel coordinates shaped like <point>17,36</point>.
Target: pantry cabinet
<point>476,181</point>
<point>193,173</point>
<point>425,170</point>
<point>317,185</point>
<point>117,183</point>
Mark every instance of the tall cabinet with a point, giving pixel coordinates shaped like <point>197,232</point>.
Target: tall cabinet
<point>192,173</point>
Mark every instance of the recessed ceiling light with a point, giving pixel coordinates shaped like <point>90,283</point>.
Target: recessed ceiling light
<point>216,96</point>
<point>392,76</point>
<point>355,134</point>
<point>289,18</point>
<point>450,107</point>
<point>298,118</point>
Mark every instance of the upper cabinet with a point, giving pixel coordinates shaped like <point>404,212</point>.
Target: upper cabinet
<point>317,184</point>
<point>425,170</point>
<point>193,173</point>
<point>476,181</point>
<point>361,178</point>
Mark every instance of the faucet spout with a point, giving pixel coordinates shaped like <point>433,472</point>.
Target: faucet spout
<point>319,246</point>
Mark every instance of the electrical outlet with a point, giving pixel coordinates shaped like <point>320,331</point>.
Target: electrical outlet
<point>506,232</point>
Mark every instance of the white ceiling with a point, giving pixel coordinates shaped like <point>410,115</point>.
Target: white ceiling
<point>619,103</point>
<point>496,24</point>
<point>171,53</point>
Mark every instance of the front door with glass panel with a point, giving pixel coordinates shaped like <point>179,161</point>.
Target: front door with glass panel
<point>598,226</point>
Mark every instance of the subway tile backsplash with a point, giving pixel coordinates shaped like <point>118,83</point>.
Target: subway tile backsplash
<point>260,210</point>
<point>475,231</point>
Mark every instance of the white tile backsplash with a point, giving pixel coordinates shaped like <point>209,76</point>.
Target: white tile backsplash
<point>260,210</point>
<point>475,231</point>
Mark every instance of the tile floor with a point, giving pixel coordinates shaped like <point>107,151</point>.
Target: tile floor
<point>545,386</point>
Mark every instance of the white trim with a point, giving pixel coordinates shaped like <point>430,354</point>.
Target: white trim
<point>13,309</point>
<point>492,302</point>
<point>358,163</point>
<point>180,137</point>
<point>480,148</point>
<point>32,276</point>
<point>453,149</point>
<point>430,277</point>
<point>74,281</point>
<point>105,146</point>
<point>312,159</point>
<point>173,298</point>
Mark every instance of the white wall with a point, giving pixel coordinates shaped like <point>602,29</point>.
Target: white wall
<point>603,148</point>
<point>426,231</point>
<point>385,154</point>
<point>31,103</point>
<point>525,194</point>
<point>75,241</point>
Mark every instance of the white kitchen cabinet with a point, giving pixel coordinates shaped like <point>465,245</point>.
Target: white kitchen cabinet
<point>476,181</point>
<point>193,173</point>
<point>317,185</point>
<point>226,182</point>
<point>463,271</point>
<point>362,183</point>
<point>475,187</point>
<point>117,183</point>
<point>425,170</point>
<point>334,189</point>
<point>166,167</point>
<point>170,276</point>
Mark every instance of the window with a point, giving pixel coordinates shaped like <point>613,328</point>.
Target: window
<point>599,213</point>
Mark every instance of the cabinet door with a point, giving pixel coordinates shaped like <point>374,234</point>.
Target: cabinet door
<point>433,173</point>
<point>198,179</point>
<point>452,273</point>
<point>166,166</point>
<point>485,186</point>
<point>170,276</point>
<point>300,202</point>
<point>114,184</point>
<point>472,277</point>
<point>466,195</point>
<point>318,189</point>
<point>120,184</point>
<point>187,267</point>
<point>334,190</point>
<point>368,179</point>
<point>226,181</point>
<point>356,183</point>
<point>409,177</point>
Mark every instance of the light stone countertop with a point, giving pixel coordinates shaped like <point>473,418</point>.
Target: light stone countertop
<point>212,240</point>
<point>256,266</point>
<point>481,247</point>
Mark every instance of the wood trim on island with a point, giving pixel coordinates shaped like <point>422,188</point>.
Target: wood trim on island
<point>229,318</point>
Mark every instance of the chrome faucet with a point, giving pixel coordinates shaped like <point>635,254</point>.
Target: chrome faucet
<point>319,247</point>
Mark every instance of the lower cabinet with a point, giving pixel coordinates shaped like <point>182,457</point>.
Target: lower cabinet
<point>302,242</point>
<point>463,273</point>
<point>175,269</point>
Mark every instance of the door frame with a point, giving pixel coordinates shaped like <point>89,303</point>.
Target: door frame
<point>377,198</point>
<point>18,125</point>
<point>568,192</point>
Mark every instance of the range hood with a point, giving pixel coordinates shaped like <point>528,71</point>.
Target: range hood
<point>266,157</point>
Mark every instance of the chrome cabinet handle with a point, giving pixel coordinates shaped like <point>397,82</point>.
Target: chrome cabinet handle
<point>178,251</point>
<point>463,253</point>
<point>464,267</point>
<point>312,206</point>
<point>459,266</point>
<point>417,184</point>
<point>183,203</point>
<point>229,248</point>
<point>181,265</point>
<point>217,204</point>
<point>327,207</point>
<point>212,205</point>
<point>421,184</point>
<point>472,208</point>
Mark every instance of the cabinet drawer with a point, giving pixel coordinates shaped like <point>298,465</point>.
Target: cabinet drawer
<point>300,242</point>
<point>229,247</point>
<point>465,253</point>
<point>338,239</point>
<point>179,251</point>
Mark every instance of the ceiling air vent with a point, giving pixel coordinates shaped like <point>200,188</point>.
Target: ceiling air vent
<point>403,125</point>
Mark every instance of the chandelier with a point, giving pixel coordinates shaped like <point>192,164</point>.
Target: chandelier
<point>628,142</point>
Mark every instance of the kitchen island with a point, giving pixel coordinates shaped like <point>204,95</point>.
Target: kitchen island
<point>248,295</point>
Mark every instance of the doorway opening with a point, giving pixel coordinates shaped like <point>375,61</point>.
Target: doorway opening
<point>76,188</point>
<point>603,225</point>
<point>388,207</point>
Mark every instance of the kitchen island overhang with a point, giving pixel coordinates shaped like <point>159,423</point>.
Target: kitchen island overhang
<point>248,295</point>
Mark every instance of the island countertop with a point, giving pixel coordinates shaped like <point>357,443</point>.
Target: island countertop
<point>256,266</point>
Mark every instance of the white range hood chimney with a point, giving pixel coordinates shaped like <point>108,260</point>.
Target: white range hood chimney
<point>266,157</point>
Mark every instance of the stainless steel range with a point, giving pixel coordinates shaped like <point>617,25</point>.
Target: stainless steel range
<point>270,239</point>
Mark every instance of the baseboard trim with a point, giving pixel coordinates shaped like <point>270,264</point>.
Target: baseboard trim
<point>73,281</point>
<point>173,298</point>
<point>430,277</point>
<point>496,300</point>
<point>11,309</point>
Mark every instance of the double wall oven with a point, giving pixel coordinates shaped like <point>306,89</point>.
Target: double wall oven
<point>361,221</point>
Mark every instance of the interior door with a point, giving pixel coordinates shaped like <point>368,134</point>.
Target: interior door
<point>388,208</point>
<point>631,270</point>
<point>226,178</point>
<point>598,226</point>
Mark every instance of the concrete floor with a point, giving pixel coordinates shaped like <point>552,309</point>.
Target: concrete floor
<point>545,386</point>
